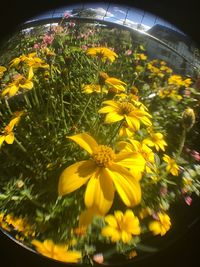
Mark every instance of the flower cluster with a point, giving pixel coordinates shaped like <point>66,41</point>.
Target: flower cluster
<point>92,136</point>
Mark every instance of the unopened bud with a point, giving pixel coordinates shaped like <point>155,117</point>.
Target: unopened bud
<point>102,78</point>
<point>188,118</point>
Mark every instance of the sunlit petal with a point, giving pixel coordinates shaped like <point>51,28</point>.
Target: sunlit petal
<point>85,141</point>
<point>127,187</point>
<point>113,117</point>
<point>100,191</point>
<point>9,139</point>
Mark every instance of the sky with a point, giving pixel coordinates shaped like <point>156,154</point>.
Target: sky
<point>113,13</point>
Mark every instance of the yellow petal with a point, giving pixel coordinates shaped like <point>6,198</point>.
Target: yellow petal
<point>74,176</point>
<point>109,231</point>
<point>9,139</point>
<point>113,117</point>
<point>126,237</point>
<point>127,187</point>
<point>154,226</point>
<point>30,73</point>
<point>87,215</point>
<point>133,122</point>
<point>2,138</point>
<point>27,85</point>
<point>130,160</point>
<point>110,219</point>
<point>111,103</point>
<point>85,141</point>
<point>100,192</point>
<point>107,109</point>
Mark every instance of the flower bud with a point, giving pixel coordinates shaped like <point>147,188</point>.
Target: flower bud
<point>102,78</point>
<point>188,118</point>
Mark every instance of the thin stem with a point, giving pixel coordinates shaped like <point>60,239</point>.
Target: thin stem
<point>8,107</point>
<point>115,132</point>
<point>20,145</point>
<point>83,113</point>
<point>182,142</point>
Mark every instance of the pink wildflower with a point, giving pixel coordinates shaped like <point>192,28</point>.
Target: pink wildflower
<point>188,200</point>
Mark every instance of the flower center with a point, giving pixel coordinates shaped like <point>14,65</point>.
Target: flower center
<point>103,156</point>
<point>126,108</point>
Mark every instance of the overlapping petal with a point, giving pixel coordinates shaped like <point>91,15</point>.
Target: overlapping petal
<point>127,187</point>
<point>100,191</point>
<point>74,176</point>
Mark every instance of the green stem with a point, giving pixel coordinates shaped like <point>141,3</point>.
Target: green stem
<point>20,145</point>
<point>115,132</point>
<point>182,142</point>
<point>8,107</point>
<point>27,101</point>
<point>83,113</point>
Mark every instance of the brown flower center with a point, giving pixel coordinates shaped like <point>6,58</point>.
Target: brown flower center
<point>126,108</point>
<point>103,156</point>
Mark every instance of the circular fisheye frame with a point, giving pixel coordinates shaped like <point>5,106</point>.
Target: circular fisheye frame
<point>99,113</point>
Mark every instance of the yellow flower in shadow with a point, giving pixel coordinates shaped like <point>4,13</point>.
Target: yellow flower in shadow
<point>121,226</point>
<point>171,167</point>
<point>103,53</point>
<point>58,252</point>
<point>20,82</point>
<point>2,70</point>
<point>7,134</point>
<point>161,225</point>
<point>104,172</point>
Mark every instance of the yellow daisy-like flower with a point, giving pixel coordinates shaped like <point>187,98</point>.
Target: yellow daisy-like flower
<point>178,81</point>
<point>91,88</point>
<point>156,140</point>
<point>7,134</point>
<point>125,131</point>
<point>171,167</point>
<point>119,110</point>
<point>57,252</point>
<point>161,226</point>
<point>19,82</point>
<point>121,226</point>
<point>103,173</point>
<point>2,70</point>
<point>115,85</point>
<point>103,53</point>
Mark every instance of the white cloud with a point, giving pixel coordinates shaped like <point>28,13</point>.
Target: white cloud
<point>117,9</point>
<point>101,12</point>
<point>133,24</point>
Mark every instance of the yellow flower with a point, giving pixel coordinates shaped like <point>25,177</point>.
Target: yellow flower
<point>115,85</point>
<point>3,224</point>
<point>91,88</point>
<point>121,226</point>
<point>143,213</point>
<point>139,56</point>
<point>16,61</point>
<point>103,53</point>
<point>2,70</point>
<point>103,173</point>
<point>169,92</point>
<point>178,81</point>
<point>125,131</point>
<point>171,167</point>
<point>161,226</point>
<point>20,224</point>
<point>19,82</point>
<point>119,110</point>
<point>156,140</point>
<point>58,252</point>
<point>7,134</point>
